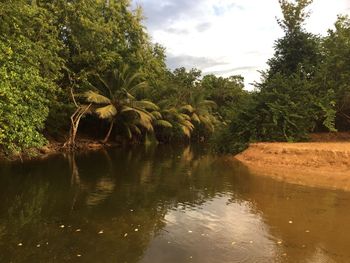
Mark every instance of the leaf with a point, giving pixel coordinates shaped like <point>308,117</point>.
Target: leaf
<point>163,123</point>
<point>145,104</point>
<point>106,112</point>
<point>195,118</point>
<point>187,108</point>
<point>94,97</point>
<point>157,115</point>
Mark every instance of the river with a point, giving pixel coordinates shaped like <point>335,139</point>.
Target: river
<point>164,204</point>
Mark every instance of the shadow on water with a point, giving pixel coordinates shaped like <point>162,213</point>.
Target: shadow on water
<point>164,204</point>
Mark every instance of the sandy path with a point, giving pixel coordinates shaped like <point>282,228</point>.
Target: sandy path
<point>316,164</point>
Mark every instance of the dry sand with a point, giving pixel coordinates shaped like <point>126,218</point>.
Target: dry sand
<point>318,164</point>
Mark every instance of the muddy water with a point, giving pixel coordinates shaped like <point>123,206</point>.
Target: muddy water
<point>164,204</point>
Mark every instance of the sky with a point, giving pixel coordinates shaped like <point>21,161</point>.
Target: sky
<point>227,37</point>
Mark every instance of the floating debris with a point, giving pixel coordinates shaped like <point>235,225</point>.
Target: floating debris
<point>202,235</point>
<point>78,255</point>
<point>131,210</point>
<point>307,231</point>
<point>290,222</point>
<point>20,244</point>
<point>47,243</point>
<point>78,230</point>
<point>251,242</point>
<point>101,232</point>
<point>126,234</point>
<point>169,242</point>
<point>279,242</point>
<point>191,257</point>
<point>38,245</point>
<point>62,226</point>
<point>136,229</point>
<point>189,231</point>
<point>284,254</point>
<point>233,243</point>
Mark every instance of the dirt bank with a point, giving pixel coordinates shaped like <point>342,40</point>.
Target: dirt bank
<point>55,147</point>
<point>325,165</point>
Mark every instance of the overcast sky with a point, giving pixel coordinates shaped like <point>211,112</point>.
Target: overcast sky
<point>226,37</point>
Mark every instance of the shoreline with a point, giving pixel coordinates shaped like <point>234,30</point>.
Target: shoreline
<point>55,147</point>
<point>315,164</point>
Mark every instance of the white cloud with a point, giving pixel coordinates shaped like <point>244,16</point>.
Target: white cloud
<point>227,36</point>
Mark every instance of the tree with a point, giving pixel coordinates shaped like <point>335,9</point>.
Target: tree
<point>227,93</point>
<point>29,67</point>
<point>117,104</point>
<point>334,73</point>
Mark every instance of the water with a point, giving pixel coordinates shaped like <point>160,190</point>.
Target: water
<point>164,204</point>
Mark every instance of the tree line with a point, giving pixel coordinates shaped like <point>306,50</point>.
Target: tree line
<point>89,67</point>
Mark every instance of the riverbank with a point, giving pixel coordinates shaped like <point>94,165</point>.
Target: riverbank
<point>56,147</point>
<point>317,164</point>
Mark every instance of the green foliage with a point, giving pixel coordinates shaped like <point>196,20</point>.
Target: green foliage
<point>23,99</point>
<point>119,105</point>
<point>29,66</point>
<point>289,102</point>
<point>228,94</point>
<point>334,73</point>
<point>100,50</point>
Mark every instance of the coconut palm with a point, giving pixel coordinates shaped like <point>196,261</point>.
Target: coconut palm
<point>177,118</point>
<point>114,101</point>
<point>200,112</point>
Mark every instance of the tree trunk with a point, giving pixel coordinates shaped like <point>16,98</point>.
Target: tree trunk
<point>109,132</point>
<point>75,119</point>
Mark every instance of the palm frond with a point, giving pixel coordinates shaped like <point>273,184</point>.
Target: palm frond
<point>187,108</point>
<point>157,115</point>
<point>207,104</point>
<point>95,97</point>
<point>106,112</point>
<point>163,123</point>
<point>195,118</point>
<point>186,131</point>
<point>145,104</point>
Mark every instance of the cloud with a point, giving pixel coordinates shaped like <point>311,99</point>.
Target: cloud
<point>179,31</point>
<point>224,36</point>
<point>223,8</point>
<point>203,26</point>
<point>160,14</point>
<point>237,70</point>
<point>188,62</point>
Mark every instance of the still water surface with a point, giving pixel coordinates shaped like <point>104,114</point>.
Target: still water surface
<point>164,204</point>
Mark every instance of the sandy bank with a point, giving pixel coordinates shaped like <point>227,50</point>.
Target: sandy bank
<point>325,165</point>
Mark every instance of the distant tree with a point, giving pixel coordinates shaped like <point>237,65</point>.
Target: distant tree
<point>334,73</point>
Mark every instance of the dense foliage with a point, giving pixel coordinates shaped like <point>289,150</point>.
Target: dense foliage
<point>66,61</point>
<point>303,90</point>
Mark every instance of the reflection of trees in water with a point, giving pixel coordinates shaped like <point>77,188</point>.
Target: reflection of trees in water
<point>121,190</point>
<point>116,192</point>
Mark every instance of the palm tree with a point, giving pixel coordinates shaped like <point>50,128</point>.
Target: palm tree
<point>200,111</point>
<point>115,102</point>
<point>180,119</point>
